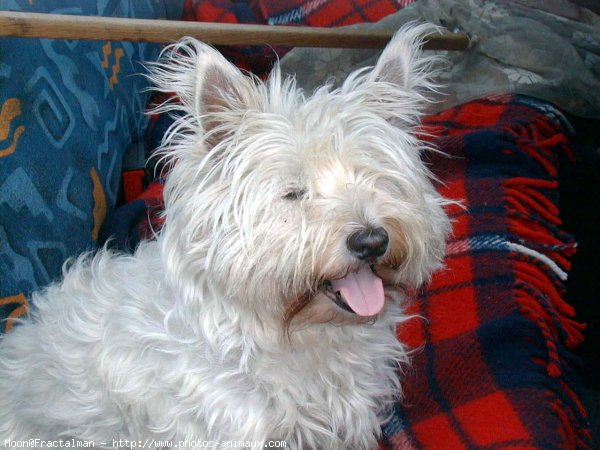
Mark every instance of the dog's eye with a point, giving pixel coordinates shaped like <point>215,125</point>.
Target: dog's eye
<point>295,194</point>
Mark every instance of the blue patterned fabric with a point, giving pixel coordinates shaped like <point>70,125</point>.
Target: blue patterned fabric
<point>68,111</point>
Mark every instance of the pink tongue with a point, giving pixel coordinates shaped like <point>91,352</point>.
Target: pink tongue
<point>362,290</point>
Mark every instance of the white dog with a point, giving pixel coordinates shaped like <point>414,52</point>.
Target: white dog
<point>266,308</point>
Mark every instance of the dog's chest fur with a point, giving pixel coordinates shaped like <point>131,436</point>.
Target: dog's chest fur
<point>325,388</point>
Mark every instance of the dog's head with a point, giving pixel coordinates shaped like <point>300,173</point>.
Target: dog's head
<point>314,208</point>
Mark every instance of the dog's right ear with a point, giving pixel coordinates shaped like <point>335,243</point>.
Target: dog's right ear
<point>211,90</point>
<point>223,95</point>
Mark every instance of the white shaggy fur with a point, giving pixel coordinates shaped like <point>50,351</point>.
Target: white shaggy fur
<point>191,337</point>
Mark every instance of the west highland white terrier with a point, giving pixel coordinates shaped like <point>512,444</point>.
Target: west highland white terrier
<point>266,308</point>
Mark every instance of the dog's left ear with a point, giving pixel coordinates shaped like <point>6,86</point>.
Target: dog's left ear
<point>401,62</point>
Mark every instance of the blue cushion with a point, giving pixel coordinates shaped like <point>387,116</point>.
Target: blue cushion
<point>68,111</point>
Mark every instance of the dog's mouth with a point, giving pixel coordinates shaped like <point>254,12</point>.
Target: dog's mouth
<point>360,292</point>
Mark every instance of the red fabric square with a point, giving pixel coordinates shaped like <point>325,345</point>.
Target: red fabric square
<point>489,419</point>
<point>377,10</point>
<point>133,184</point>
<point>455,189</point>
<point>411,332</point>
<point>437,432</point>
<point>452,312</point>
<point>461,226</point>
<point>457,271</point>
<point>207,12</point>
<point>332,12</point>
<point>476,115</point>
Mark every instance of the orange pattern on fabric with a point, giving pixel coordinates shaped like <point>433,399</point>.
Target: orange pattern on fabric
<point>107,50</point>
<point>19,311</point>
<point>116,68</point>
<point>99,211</point>
<point>9,111</point>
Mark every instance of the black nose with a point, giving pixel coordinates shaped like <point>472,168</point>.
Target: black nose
<point>368,243</point>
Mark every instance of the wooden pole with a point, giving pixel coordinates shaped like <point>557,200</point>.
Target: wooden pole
<point>58,26</point>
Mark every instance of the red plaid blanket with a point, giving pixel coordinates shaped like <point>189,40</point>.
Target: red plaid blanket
<point>492,369</point>
<point>491,366</point>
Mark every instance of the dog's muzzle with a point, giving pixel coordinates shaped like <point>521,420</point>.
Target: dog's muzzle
<point>361,292</point>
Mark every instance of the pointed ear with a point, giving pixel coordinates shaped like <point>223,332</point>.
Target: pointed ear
<point>211,90</point>
<point>401,63</point>
<point>223,94</point>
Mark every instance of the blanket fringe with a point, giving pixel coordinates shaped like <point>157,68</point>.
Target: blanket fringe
<point>540,284</point>
<point>533,223</point>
